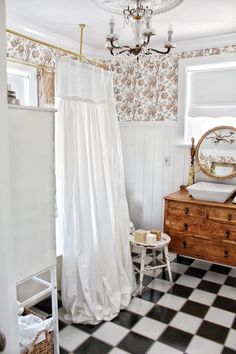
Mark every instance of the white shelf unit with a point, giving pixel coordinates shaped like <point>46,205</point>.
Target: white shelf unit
<point>50,289</point>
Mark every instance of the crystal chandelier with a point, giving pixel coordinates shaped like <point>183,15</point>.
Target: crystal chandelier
<point>140,20</point>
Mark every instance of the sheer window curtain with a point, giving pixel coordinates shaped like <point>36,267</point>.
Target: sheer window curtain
<point>93,217</point>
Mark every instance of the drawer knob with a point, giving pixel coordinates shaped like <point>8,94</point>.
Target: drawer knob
<point>186,210</point>
<point>185,226</point>
<point>229,217</point>
<point>227,233</point>
<point>184,244</point>
<point>226,253</point>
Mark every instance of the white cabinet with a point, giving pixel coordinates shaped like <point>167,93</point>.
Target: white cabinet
<point>31,136</point>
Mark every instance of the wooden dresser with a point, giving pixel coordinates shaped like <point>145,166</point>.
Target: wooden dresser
<point>201,229</point>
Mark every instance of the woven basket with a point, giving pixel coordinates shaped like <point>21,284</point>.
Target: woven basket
<point>44,347</point>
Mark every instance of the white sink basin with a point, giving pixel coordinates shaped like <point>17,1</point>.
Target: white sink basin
<point>212,192</point>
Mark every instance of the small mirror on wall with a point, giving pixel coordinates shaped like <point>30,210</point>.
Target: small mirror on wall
<point>216,152</point>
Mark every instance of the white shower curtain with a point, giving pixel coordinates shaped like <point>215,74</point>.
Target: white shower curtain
<point>97,276</point>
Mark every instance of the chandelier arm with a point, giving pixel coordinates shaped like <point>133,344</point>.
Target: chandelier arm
<point>160,51</point>
<point>124,50</point>
<point>146,42</point>
<point>113,45</point>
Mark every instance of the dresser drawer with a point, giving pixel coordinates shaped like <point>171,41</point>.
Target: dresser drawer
<point>222,252</point>
<point>205,229</point>
<point>220,214</point>
<point>181,209</point>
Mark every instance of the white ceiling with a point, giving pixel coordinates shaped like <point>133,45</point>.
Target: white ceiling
<point>192,19</point>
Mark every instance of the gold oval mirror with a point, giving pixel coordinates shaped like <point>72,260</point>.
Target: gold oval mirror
<point>216,152</point>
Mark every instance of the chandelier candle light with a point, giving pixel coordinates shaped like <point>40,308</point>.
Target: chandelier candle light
<point>140,19</point>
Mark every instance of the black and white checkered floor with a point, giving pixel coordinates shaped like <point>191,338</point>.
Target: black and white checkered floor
<point>195,315</point>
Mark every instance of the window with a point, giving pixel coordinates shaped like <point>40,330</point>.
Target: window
<point>23,80</point>
<point>207,94</point>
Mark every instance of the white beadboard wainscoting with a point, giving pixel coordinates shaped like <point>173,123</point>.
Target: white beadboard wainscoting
<point>149,154</point>
<point>155,165</point>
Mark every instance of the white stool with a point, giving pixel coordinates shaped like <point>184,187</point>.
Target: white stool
<point>161,245</point>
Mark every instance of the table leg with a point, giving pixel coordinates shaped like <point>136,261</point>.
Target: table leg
<point>154,259</point>
<point>143,255</point>
<point>168,263</point>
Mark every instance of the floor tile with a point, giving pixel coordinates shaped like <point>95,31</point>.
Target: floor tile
<point>225,303</point>
<point>175,338</point>
<point>87,328</point>
<point>228,351</point>
<point>201,264</point>
<point>61,325</point>
<point>195,309</point>
<point>220,269</point>
<point>209,286</point>
<point>184,260</point>
<point>160,285</point>
<point>149,328</point>
<point>203,297</point>
<point>162,314</point>
<point>215,277</point>
<point>165,275</point>
<point>186,322</point>
<point>213,331</point>
<point>196,272</point>
<point>117,351</point>
<point>172,301</point>
<point>178,268</point>
<point>231,281</point>
<point>134,343</point>
<point>70,338</point>
<point>140,306</point>
<point>228,291</point>
<point>146,279</point>
<point>232,272</point>
<point>160,348</point>
<point>231,339</point>
<point>151,295</point>
<point>221,317</point>
<point>189,281</point>
<point>234,323</point>
<point>195,315</point>
<point>92,346</point>
<point>153,273</point>
<point>199,345</point>
<point>148,259</point>
<point>111,333</point>
<point>127,319</point>
<point>181,290</point>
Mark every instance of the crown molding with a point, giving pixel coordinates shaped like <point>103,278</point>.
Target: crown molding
<point>102,53</point>
<point>205,42</point>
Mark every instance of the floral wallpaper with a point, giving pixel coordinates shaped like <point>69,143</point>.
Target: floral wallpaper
<point>145,90</point>
<point>148,90</point>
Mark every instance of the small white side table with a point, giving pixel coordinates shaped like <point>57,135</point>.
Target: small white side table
<point>161,245</point>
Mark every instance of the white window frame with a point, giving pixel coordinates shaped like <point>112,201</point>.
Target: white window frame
<point>184,65</point>
<point>30,73</point>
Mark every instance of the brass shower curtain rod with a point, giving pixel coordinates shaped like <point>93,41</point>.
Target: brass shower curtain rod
<point>79,55</point>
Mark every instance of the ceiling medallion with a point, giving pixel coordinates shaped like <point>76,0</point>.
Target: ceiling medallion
<point>138,15</point>
<point>117,6</point>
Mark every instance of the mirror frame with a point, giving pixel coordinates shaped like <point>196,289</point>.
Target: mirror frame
<point>232,175</point>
